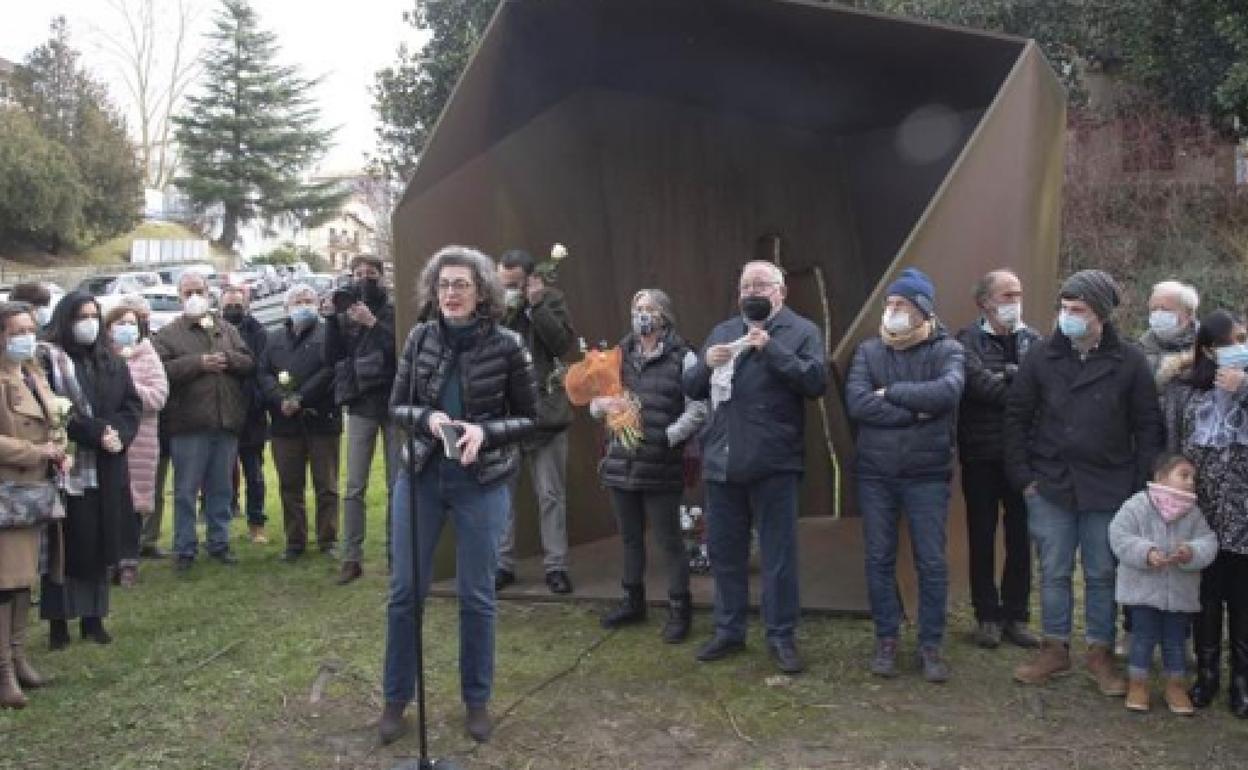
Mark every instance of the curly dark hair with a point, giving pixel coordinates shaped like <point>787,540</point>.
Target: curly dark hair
<point>490,302</point>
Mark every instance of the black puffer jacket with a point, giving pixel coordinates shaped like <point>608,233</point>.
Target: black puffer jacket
<point>499,393</point>
<point>363,360</point>
<point>991,363</point>
<point>907,432</point>
<point>654,465</point>
<point>301,354</point>
<point>1085,431</point>
<point>256,427</point>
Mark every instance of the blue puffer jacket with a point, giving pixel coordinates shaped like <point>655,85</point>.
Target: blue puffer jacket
<point>908,432</point>
<point>759,431</point>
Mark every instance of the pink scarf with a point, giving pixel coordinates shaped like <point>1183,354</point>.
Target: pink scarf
<point>1173,504</point>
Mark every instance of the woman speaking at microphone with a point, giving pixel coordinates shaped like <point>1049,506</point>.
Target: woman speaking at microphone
<point>465,395</point>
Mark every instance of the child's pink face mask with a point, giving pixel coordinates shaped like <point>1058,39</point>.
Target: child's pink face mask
<point>1173,504</point>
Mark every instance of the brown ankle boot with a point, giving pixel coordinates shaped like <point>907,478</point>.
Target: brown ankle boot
<point>26,674</point>
<point>1052,660</point>
<point>1177,698</point>
<point>10,691</point>
<point>1137,694</point>
<point>391,724</point>
<point>1100,665</point>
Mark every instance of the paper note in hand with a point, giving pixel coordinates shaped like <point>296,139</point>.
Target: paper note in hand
<point>450,440</point>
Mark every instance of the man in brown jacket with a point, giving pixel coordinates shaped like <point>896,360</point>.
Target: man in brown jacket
<point>206,361</point>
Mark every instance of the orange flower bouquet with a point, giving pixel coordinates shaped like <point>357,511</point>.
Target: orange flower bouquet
<point>597,375</point>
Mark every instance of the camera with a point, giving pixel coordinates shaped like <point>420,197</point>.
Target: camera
<point>346,296</point>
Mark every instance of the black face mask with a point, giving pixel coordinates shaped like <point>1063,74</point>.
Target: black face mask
<point>371,290</point>
<point>756,308</point>
<point>233,314</point>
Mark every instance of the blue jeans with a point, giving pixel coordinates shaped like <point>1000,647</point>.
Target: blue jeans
<point>445,489</point>
<point>1150,627</point>
<point>202,462</point>
<point>771,505</point>
<point>926,504</point>
<point>251,458</point>
<point>1057,534</point>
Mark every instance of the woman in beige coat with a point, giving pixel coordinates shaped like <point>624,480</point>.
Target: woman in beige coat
<point>27,455</point>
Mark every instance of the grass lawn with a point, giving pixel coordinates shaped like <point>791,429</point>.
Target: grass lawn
<point>269,665</point>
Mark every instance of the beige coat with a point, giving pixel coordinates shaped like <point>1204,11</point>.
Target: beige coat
<point>23,424</point>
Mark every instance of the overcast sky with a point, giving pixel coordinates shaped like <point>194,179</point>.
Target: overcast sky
<point>344,41</point>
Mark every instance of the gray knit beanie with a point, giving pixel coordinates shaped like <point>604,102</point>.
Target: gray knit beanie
<point>1095,287</point>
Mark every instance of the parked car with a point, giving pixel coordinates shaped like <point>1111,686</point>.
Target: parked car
<point>322,282</point>
<point>109,288</point>
<point>257,287</point>
<point>165,303</point>
<point>269,274</point>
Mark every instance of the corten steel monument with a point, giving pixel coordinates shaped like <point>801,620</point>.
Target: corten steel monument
<point>666,142</point>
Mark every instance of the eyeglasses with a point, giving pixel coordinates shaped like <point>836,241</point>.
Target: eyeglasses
<point>757,287</point>
<point>459,286</point>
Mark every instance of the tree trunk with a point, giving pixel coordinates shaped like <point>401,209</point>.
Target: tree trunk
<point>229,230</point>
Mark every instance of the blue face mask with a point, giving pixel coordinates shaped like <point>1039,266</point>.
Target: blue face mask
<point>21,347</point>
<point>1073,326</point>
<point>1232,356</point>
<point>302,315</point>
<point>125,335</point>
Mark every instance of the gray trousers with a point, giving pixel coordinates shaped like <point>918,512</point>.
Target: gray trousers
<point>548,465</point>
<point>361,443</point>
<point>632,509</point>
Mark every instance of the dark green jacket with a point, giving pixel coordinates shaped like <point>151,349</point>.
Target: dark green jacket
<point>547,330</point>
<point>200,400</point>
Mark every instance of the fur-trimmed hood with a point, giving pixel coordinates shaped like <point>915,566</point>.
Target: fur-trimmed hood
<point>1174,366</point>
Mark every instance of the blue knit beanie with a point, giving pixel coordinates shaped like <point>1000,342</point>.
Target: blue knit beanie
<point>915,286</point>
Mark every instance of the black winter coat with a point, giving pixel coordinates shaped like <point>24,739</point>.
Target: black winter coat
<point>760,431</point>
<point>653,465</point>
<point>907,432</point>
<point>363,360</point>
<point>302,355</point>
<point>93,522</point>
<point>991,364</point>
<point>547,331</point>
<point>256,427</point>
<point>499,393</point>
<point>1086,432</point>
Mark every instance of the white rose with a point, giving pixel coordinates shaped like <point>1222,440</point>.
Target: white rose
<point>206,322</point>
<point>558,252</point>
<point>283,379</point>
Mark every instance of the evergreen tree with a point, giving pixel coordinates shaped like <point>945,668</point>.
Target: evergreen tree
<point>409,96</point>
<point>250,135</point>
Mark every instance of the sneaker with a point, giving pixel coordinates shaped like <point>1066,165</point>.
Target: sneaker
<point>988,635</point>
<point>1099,663</point>
<point>884,660</point>
<point>1052,660</point>
<point>935,669</point>
<point>1137,695</point>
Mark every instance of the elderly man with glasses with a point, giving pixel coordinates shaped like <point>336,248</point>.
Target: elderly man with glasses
<point>757,369</point>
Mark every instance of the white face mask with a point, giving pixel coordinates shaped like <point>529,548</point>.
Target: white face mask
<point>514,298</point>
<point>1163,321</point>
<point>86,330</point>
<point>1010,315</point>
<point>195,306</point>
<point>43,316</point>
<point>897,321</point>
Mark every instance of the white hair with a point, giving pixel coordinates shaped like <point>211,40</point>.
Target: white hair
<point>187,275</point>
<point>1185,293</point>
<point>299,290</point>
<point>777,274</point>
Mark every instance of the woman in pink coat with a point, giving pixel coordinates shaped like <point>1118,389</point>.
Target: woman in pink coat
<point>126,330</point>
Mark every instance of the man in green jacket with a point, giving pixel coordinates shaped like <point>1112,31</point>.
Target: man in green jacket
<point>537,312</point>
<point>206,361</point>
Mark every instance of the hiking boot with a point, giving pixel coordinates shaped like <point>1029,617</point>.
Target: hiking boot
<point>477,722</point>
<point>350,571</point>
<point>935,669</point>
<point>256,533</point>
<point>784,653</point>
<point>391,725</point>
<point>679,618</point>
<point>1137,695</point>
<point>884,660</point>
<point>58,634</point>
<point>1019,635</point>
<point>988,635</point>
<point>503,578</point>
<point>11,695</point>
<point>1099,662</point>
<point>26,674</point>
<point>1053,659</point>
<point>718,648</point>
<point>1176,697</point>
<point>632,609</point>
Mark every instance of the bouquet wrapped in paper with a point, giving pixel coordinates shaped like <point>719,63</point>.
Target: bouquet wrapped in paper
<point>597,375</point>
